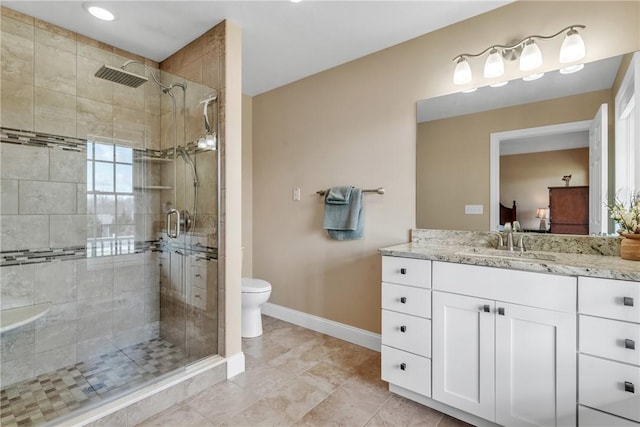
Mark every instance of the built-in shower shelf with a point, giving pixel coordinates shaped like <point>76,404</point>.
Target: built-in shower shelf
<point>153,160</point>
<point>153,187</point>
<point>12,318</point>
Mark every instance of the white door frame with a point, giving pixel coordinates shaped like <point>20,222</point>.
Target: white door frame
<point>494,154</point>
<point>626,168</point>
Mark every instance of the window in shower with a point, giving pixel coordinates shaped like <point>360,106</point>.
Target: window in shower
<point>110,200</point>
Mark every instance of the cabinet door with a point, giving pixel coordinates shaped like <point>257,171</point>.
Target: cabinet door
<point>535,366</point>
<point>462,353</point>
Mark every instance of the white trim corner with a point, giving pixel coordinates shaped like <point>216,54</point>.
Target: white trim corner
<point>235,365</point>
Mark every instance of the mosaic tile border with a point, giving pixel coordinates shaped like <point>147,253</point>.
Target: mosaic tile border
<point>34,256</point>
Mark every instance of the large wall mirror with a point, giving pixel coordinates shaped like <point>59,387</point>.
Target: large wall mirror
<point>521,142</point>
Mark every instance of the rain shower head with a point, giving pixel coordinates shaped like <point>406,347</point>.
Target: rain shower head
<point>118,75</point>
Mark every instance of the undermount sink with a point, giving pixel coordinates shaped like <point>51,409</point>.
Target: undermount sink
<point>499,253</point>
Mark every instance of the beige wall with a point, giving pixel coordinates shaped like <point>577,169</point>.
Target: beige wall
<point>247,187</point>
<point>443,190</point>
<point>525,178</point>
<point>355,124</point>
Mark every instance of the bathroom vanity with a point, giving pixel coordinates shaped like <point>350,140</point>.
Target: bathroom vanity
<point>498,338</point>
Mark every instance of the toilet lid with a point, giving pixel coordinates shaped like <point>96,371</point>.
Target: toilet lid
<point>255,285</point>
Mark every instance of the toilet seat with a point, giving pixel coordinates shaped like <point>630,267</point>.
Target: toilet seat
<point>250,285</point>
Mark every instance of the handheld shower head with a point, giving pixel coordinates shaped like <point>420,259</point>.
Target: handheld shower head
<point>207,101</point>
<point>182,152</point>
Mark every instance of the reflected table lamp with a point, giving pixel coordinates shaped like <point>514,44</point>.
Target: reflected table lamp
<point>542,214</point>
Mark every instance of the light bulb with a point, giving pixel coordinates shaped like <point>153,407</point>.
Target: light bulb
<point>202,143</point>
<point>500,84</point>
<point>471,90</point>
<point>494,67</point>
<point>531,57</point>
<point>572,47</point>
<point>462,73</point>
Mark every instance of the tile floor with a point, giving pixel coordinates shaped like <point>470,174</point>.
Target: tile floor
<point>49,396</point>
<point>298,377</point>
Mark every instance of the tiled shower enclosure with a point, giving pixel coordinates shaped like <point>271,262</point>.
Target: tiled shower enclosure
<point>96,297</point>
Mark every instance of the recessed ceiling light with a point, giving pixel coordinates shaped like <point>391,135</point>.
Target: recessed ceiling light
<point>99,12</point>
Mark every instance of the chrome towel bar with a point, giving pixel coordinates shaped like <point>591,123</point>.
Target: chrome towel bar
<point>379,190</point>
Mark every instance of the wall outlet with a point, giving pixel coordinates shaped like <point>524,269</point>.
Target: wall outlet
<point>473,209</point>
<point>296,194</point>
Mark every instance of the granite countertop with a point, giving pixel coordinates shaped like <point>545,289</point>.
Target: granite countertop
<point>569,264</point>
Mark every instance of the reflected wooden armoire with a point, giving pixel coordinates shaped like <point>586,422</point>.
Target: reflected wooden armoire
<point>569,210</point>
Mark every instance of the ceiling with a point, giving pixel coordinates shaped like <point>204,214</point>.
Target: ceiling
<point>281,41</point>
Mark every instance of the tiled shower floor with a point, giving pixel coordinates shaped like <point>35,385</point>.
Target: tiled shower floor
<point>55,394</point>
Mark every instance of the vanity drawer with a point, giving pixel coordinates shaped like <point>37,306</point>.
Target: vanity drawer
<point>541,290</point>
<point>615,299</point>
<point>406,370</point>
<point>198,261</point>
<point>406,299</point>
<point>405,332</point>
<point>602,386</point>
<point>406,271</point>
<point>588,417</point>
<point>610,338</point>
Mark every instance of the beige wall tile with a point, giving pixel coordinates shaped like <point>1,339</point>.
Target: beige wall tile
<point>43,197</point>
<point>17,343</point>
<point>17,370</point>
<point>68,166</point>
<point>91,111</point>
<point>16,15</point>
<point>18,285</point>
<point>8,196</point>
<point>17,58</point>
<point>56,336</point>
<point>17,104</point>
<point>55,112</point>
<point>131,98</point>
<point>86,44</point>
<point>55,36</point>
<point>88,85</point>
<point>55,282</point>
<point>68,230</point>
<point>95,325</point>
<point>24,162</point>
<point>55,69</point>
<point>48,361</point>
<point>91,130</point>
<point>15,230</point>
<point>11,25</point>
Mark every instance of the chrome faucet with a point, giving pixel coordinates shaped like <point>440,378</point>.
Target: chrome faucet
<point>509,244</point>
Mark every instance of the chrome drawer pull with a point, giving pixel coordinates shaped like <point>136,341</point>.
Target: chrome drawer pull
<point>501,311</point>
<point>486,308</point>
<point>629,344</point>
<point>403,329</point>
<point>403,300</point>
<point>629,387</point>
<point>403,271</point>
<point>403,366</point>
<point>627,301</point>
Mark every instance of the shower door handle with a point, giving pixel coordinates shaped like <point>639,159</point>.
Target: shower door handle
<point>176,231</point>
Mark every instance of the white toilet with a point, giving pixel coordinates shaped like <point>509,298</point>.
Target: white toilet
<point>255,292</point>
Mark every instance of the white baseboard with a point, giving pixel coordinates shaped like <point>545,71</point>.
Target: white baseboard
<point>235,365</point>
<point>335,329</point>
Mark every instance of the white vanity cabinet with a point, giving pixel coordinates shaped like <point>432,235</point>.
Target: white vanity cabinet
<point>504,344</point>
<point>609,360</point>
<point>406,323</point>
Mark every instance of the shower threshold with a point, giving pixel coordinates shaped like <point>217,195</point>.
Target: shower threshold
<point>85,385</point>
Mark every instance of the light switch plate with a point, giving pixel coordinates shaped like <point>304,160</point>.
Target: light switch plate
<point>296,194</point>
<point>473,209</point>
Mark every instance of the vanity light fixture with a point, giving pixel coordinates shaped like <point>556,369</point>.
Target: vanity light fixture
<point>526,50</point>
<point>571,69</point>
<point>500,84</point>
<point>99,12</point>
<point>532,77</point>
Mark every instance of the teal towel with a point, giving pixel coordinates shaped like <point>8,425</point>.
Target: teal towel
<point>345,221</point>
<point>338,195</point>
<point>350,234</point>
